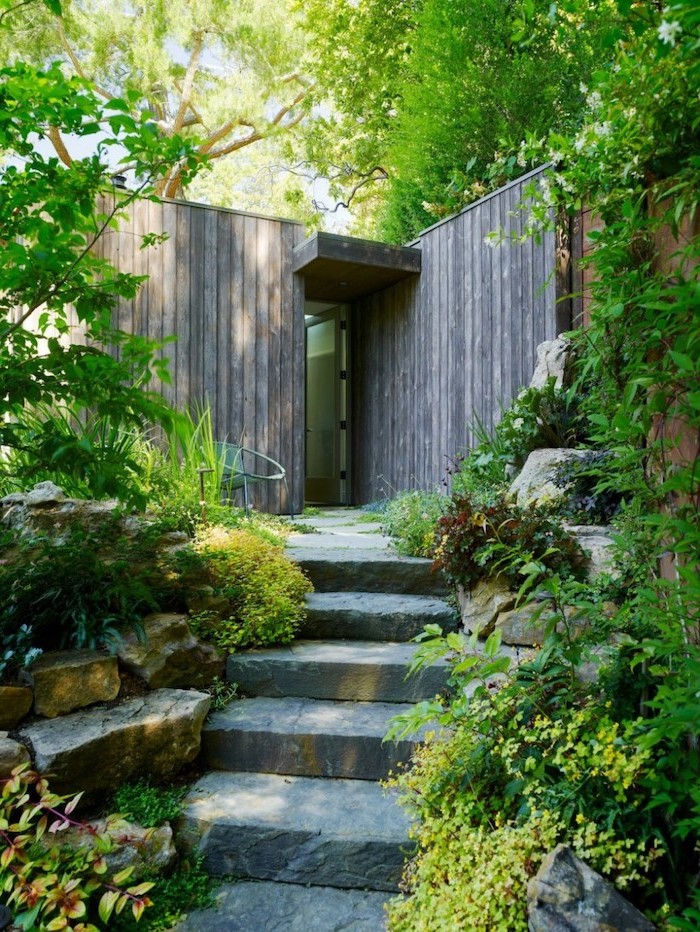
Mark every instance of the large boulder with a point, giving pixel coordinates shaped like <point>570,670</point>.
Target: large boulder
<point>528,626</point>
<point>12,754</point>
<point>15,703</point>
<point>170,655</point>
<point>97,749</point>
<point>47,512</point>
<point>480,607</point>
<point>567,894</point>
<point>552,360</point>
<point>535,484</point>
<point>67,680</point>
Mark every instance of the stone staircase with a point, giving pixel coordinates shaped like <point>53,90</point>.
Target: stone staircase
<point>292,802</point>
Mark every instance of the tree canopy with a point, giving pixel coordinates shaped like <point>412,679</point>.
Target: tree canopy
<point>223,73</point>
<point>425,93</point>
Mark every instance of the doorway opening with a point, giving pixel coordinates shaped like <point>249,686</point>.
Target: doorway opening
<point>327,414</point>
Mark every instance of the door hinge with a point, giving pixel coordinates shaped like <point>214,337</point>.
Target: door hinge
<point>343,474</point>
<point>343,375</point>
<point>343,425</point>
<point>343,325</point>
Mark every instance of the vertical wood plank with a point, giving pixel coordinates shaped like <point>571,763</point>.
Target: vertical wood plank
<point>221,391</point>
<point>262,352</point>
<point>209,318</point>
<point>169,297</point>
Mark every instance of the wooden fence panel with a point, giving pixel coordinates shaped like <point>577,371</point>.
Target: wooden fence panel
<point>218,285</point>
<point>467,330</point>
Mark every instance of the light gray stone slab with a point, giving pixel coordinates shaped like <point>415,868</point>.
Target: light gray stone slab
<point>308,737</point>
<point>284,907</point>
<point>345,537</point>
<point>341,833</point>
<point>374,616</point>
<point>367,570</point>
<point>567,894</point>
<point>96,749</point>
<point>348,670</point>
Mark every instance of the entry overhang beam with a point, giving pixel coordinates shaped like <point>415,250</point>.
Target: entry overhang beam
<point>343,268</point>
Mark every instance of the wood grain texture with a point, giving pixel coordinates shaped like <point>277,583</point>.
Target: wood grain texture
<point>222,286</point>
<point>463,337</point>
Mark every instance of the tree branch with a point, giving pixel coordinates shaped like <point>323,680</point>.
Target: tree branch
<point>13,9</point>
<point>374,174</point>
<point>188,83</point>
<point>59,145</point>
<point>77,67</point>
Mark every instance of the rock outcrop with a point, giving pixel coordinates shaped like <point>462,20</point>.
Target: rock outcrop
<point>97,749</point>
<point>567,894</point>
<point>12,754</point>
<point>170,656</point>
<point>536,482</point>
<point>552,360</point>
<point>64,681</point>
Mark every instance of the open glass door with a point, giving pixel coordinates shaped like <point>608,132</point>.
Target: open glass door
<point>326,405</point>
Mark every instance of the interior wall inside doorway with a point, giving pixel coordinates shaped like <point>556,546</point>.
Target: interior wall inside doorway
<point>327,451</point>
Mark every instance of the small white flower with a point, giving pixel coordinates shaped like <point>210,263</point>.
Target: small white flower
<point>580,142</point>
<point>668,32</point>
<point>521,159</point>
<point>583,89</point>
<point>602,129</point>
<point>556,157</point>
<point>594,100</point>
<point>392,112</point>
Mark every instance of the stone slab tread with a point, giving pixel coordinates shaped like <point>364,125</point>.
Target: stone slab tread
<point>376,616</point>
<point>341,833</point>
<point>284,907</point>
<point>309,737</point>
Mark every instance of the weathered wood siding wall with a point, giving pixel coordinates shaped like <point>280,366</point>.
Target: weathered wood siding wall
<point>222,285</point>
<point>432,354</point>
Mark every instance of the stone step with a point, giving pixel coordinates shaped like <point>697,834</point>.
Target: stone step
<point>374,616</point>
<point>287,907</point>
<point>307,737</point>
<point>371,570</point>
<point>340,833</point>
<point>365,671</point>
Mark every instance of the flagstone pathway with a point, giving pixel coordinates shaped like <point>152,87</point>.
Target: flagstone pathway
<point>291,803</point>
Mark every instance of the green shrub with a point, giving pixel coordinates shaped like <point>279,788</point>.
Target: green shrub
<point>148,805</point>
<point>18,653</point>
<point>411,518</point>
<point>265,590</point>
<point>537,418</point>
<point>81,591</point>
<point>52,886</point>
<point>514,773</point>
<point>475,542</point>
